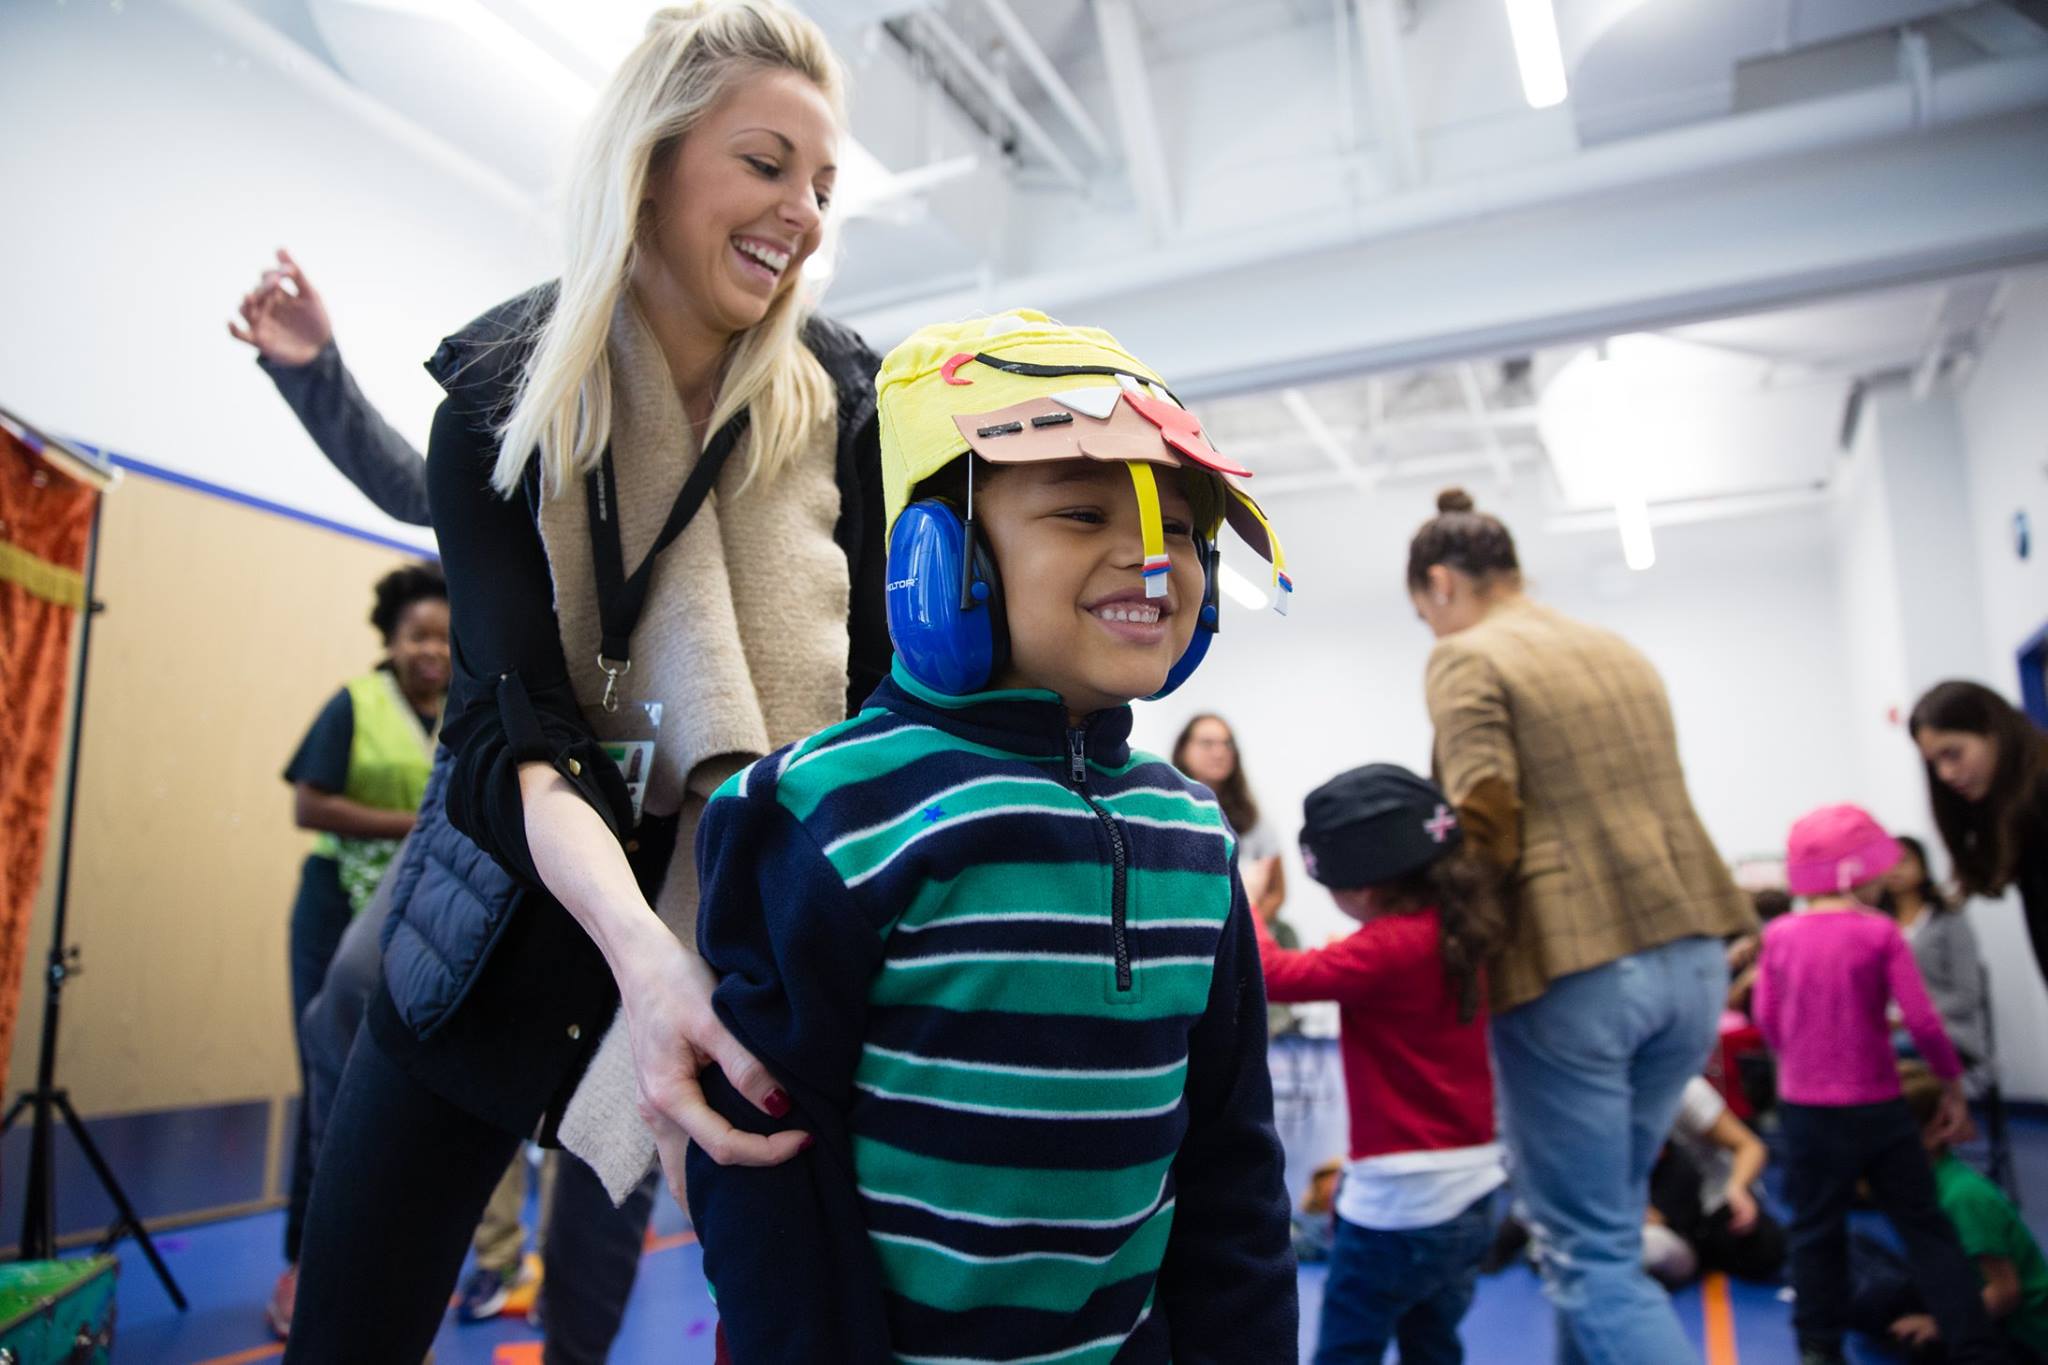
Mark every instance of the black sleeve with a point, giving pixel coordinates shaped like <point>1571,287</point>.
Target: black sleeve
<point>509,700</point>
<point>353,435</point>
<point>867,625</point>
<point>322,758</point>
<point>1228,1282</point>
<point>2031,872</point>
<point>860,534</point>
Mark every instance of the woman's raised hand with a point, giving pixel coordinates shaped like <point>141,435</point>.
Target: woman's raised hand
<point>287,325</point>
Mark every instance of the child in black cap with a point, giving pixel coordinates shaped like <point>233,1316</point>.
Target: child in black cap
<point>1413,1212</point>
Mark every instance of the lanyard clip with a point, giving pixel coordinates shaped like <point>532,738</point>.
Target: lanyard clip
<point>613,670</point>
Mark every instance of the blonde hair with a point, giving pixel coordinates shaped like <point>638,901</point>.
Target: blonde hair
<point>691,56</point>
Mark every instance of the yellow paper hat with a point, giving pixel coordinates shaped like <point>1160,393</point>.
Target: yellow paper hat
<point>1020,387</point>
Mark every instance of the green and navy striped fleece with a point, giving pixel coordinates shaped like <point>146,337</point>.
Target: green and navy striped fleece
<point>1006,971</point>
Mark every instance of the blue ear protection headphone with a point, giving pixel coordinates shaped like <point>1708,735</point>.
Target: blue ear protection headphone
<point>946,614</point>
<point>945,601</point>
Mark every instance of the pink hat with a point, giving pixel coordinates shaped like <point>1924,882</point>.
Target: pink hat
<point>1835,848</point>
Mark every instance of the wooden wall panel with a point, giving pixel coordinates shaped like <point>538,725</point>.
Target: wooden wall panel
<point>226,629</point>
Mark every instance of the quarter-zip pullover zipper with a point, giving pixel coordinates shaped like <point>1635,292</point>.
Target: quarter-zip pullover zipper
<point>1077,753</point>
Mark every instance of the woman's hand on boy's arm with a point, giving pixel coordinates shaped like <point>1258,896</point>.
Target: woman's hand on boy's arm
<point>664,988</point>
<point>666,994</point>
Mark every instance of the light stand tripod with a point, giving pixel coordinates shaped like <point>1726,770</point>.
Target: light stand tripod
<point>47,1102</point>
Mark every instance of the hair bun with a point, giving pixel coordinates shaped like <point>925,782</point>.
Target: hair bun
<point>1454,500</point>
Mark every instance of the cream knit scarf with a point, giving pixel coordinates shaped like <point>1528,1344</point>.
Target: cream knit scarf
<point>743,642</point>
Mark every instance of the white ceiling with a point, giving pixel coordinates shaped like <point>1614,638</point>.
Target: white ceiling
<point>1249,115</point>
<point>1745,405</point>
<point>1345,183</point>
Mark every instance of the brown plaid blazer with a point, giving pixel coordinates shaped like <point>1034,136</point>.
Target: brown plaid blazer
<point>1554,740</point>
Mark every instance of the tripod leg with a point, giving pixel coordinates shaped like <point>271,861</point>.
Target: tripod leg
<point>126,1210</point>
<point>39,1202</point>
<point>13,1113</point>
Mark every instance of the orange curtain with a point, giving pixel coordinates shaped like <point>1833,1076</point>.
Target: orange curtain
<point>45,523</point>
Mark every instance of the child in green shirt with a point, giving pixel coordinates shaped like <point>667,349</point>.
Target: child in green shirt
<point>2008,1259</point>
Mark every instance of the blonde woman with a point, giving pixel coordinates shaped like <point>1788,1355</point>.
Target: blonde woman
<point>609,675</point>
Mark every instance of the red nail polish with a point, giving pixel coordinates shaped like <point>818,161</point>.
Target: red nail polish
<point>808,1143</point>
<point>777,1103</point>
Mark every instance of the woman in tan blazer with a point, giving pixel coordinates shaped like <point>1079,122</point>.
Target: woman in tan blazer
<point>1554,740</point>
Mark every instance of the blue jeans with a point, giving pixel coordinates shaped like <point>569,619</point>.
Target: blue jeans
<point>1590,1074</point>
<point>1411,1287</point>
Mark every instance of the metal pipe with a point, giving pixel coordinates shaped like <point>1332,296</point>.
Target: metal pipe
<point>1475,403</point>
<point>1386,76</point>
<point>1986,90</point>
<point>1347,95</point>
<point>1375,434</point>
<point>1048,77</point>
<point>1684,511</point>
<point>1144,151</point>
<point>1323,439</point>
<point>1020,118</point>
<point>1390,471</point>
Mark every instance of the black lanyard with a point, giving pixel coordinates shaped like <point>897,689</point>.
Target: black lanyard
<point>620,599</point>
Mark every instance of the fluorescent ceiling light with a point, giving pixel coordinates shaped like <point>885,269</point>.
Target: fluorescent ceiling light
<point>1534,25</point>
<point>1240,589</point>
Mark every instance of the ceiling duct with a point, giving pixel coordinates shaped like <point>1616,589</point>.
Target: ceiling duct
<point>1637,66</point>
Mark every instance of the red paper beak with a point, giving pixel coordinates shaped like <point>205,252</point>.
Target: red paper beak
<point>1181,431</point>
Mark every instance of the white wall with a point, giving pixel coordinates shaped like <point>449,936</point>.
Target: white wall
<point>1931,536</point>
<point>1876,681</point>
<point>152,167</point>
<point>1742,619</point>
<point>1923,535</point>
<point>2003,412</point>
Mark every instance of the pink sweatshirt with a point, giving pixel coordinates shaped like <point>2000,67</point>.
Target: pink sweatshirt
<point>1821,990</point>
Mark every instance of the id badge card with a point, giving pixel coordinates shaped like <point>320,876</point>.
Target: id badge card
<point>627,736</point>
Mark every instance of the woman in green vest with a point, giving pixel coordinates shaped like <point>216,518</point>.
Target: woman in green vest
<point>356,779</point>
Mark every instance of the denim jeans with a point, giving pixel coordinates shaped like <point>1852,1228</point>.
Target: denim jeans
<point>1410,1287</point>
<point>1827,1151</point>
<point>1589,1075</point>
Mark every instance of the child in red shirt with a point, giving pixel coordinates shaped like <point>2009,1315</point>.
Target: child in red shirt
<point>1413,1212</point>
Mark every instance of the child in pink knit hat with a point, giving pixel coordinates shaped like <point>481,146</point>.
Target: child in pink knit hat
<point>1825,979</point>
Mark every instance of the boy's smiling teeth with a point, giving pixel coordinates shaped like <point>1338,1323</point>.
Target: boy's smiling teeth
<point>1141,614</point>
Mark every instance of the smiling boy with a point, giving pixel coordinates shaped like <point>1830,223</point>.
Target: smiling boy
<point>1001,963</point>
